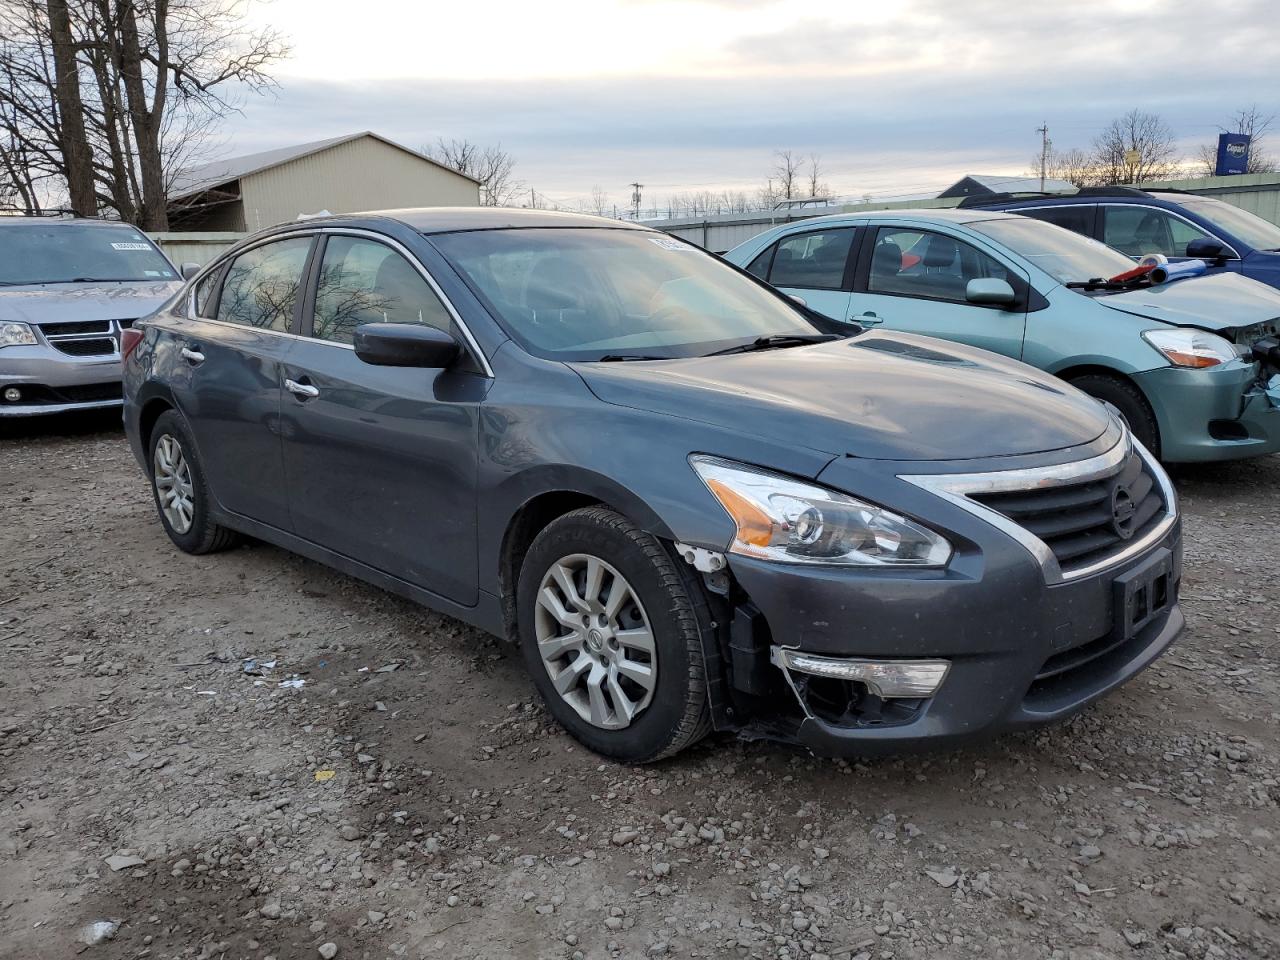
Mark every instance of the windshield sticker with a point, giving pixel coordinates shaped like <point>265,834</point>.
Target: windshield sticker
<point>670,243</point>
<point>130,246</point>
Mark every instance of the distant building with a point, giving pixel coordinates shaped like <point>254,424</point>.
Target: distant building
<point>362,171</point>
<point>983,185</point>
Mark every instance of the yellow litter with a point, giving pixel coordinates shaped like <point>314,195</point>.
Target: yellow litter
<point>324,775</point>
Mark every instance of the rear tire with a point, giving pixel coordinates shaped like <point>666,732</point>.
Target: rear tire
<point>181,491</point>
<point>1129,401</point>
<point>601,604</point>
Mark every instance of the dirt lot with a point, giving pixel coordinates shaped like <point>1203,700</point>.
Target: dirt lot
<point>457,822</point>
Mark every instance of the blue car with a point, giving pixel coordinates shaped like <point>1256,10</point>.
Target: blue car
<point>1169,222</point>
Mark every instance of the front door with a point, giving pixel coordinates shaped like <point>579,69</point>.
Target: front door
<point>381,461</point>
<point>231,351</point>
<point>915,280</point>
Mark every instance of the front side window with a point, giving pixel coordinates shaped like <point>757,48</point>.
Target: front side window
<point>204,294</point>
<point>584,293</point>
<point>363,281</point>
<point>920,263</point>
<point>812,261</point>
<point>261,289</point>
<point>1248,227</point>
<point>62,252</point>
<point>1076,219</point>
<point>1140,231</point>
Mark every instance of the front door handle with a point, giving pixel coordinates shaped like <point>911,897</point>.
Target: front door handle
<point>303,390</point>
<point>193,356</point>
<point>869,319</point>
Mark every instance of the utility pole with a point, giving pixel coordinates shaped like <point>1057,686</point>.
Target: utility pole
<point>635,198</point>
<point>1043,130</point>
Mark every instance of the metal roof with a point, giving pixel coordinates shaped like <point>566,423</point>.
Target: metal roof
<point>1004,184</point>
<point>209,175</point>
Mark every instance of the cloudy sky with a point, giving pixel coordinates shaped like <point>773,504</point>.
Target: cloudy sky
<point>686,95</point>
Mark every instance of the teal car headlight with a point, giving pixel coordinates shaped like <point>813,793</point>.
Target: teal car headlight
<point>781,519</point>
<point>14,333</point>
<point>1186,347</point>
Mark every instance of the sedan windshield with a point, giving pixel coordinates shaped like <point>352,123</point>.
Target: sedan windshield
<point>592,294</point>
<point>61,252</point>
<point>1250,228</point>
<point>1064,255</point>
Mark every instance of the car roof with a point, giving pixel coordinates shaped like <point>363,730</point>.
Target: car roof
<point>940,215</point>
<point>23,221</point>
<point>450,219</point>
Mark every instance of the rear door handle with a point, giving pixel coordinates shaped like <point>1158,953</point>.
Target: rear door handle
<point>303,390</point>
<point>194,356</point>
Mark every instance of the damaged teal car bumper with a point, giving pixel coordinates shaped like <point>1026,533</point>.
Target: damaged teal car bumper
<point>1225,412</point>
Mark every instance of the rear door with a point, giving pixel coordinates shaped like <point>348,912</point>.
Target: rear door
<point>914,279</point>
<point>238,333</point>
<point>814,266</point>
<point>381,461</point>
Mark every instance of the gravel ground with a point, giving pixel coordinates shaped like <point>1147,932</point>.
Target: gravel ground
<point>412,799</point>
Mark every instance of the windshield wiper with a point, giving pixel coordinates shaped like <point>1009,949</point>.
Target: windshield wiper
<point>775,342</point>
<point>1099,283</point>
<point>621,357</point>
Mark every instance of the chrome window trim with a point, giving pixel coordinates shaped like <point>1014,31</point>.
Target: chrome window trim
<point>1139,206</point>
<point>958,488</point>
<point>472,345</point>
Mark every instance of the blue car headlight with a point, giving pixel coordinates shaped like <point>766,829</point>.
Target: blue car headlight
<point>786,520</point>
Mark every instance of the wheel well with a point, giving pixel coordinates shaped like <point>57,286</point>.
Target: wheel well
<point>530,520</point>
<point>150,414</point>
<point>1093,370</point>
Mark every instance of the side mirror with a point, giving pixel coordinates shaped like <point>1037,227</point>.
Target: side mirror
<point>990,292</point>
<point>189,270</point>
<point>404,345</point>
<point>1203,248</point>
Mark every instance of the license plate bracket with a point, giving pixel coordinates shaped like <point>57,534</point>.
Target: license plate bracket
<point>1143,593</point>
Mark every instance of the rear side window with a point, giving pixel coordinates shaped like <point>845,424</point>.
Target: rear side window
<point>920,263</point>
<point>363,281</point>
<point>261,289</point>
<point>1076,219</point>
<point>814,261</point>
<point>1139,231</point>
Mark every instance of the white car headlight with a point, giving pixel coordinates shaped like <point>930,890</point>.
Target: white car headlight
<point>781,519</point>
<point>14,333</point>
<point>1185,347</point>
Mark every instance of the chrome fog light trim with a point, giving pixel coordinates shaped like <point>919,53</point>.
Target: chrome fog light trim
<point>885,678</point>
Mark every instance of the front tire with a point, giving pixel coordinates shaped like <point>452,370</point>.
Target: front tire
<point>1129,401</point>
<point>180,490</point>
<point>610,637</point>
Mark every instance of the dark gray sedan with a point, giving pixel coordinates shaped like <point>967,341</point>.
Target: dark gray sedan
<point>691,504</point>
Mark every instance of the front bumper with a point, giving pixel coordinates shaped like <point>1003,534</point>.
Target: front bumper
<point>1022,651</point>
<point>55,382</point>
<point>1219,413</point>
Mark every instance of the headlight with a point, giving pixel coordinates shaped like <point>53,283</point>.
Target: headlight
<point>16,334</point>
<point>1185,347</point>
<point>782,519</point>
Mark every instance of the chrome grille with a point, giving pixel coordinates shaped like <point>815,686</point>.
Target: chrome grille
<point>85,338</point>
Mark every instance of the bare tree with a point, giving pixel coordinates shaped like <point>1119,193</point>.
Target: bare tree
<point>1074,166</point>
<point>1255,124</point>
<point>1134,148</point>
<point>599,201</point>
<point>492,166</point>
<point>816,187</point>
<point>786,174</point>
<point>147,81</point>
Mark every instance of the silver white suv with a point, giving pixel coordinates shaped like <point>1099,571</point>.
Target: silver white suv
<point>67,289</point>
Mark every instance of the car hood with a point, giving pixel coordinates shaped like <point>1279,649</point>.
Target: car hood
<point>882,395</point>
<point>1221,302</point>
<point>56,302</point>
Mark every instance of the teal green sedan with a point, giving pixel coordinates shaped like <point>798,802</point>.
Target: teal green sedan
<point>1193,365</point>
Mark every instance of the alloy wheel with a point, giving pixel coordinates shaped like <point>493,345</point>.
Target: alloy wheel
<point>174,489</point>
<point>595,641</point>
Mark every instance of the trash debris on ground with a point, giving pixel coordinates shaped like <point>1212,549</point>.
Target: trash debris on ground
<point>118,863</point>
<point>98,932</point>
<point>293,683</point>
<point>324,776</point>
<point>388,668</point>
<point>257,668</point>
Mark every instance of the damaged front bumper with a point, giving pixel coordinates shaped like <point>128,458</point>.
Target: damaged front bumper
<point>1227,412</point>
